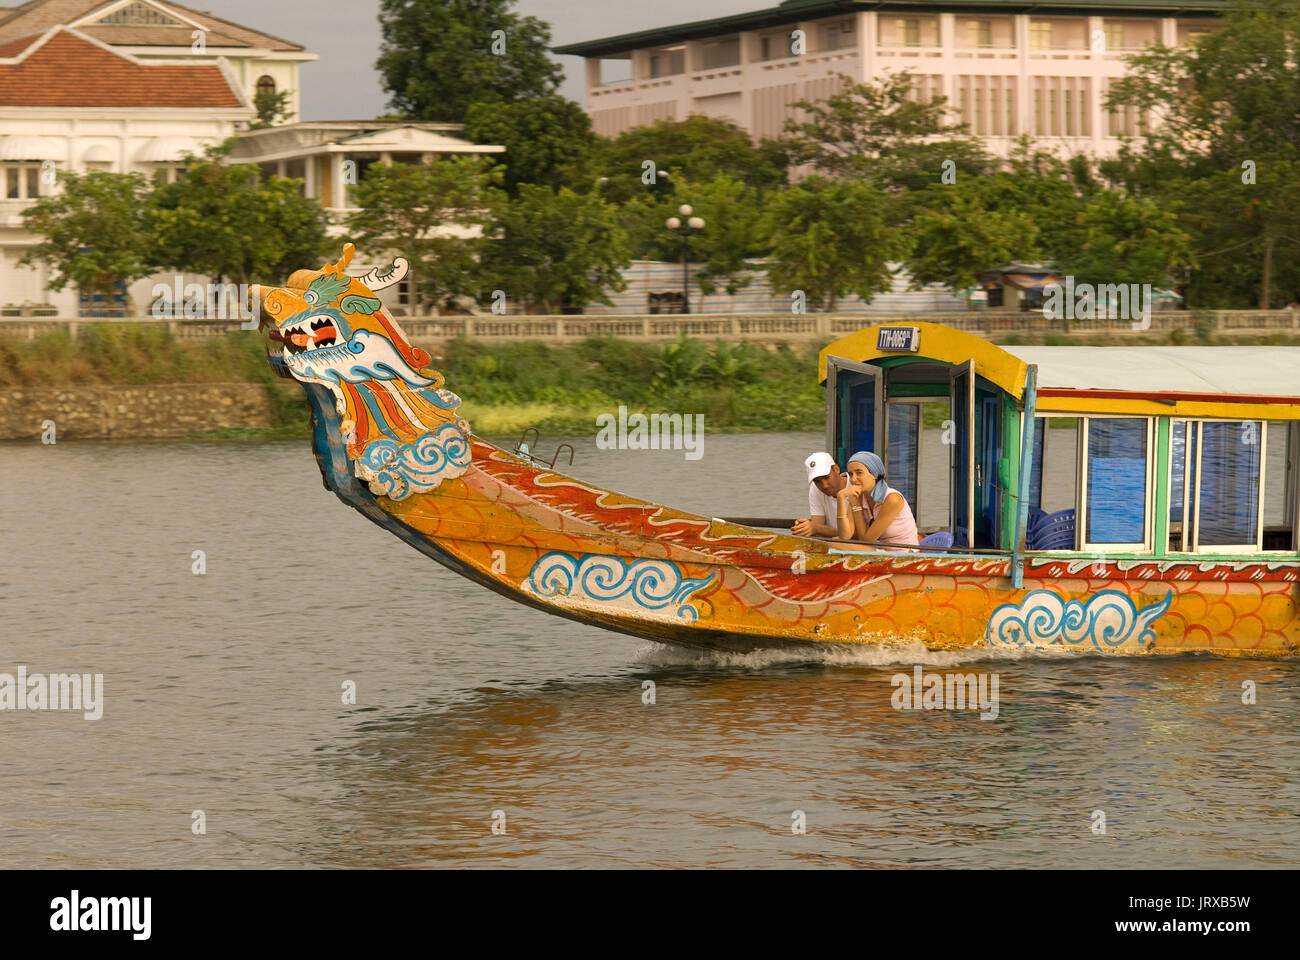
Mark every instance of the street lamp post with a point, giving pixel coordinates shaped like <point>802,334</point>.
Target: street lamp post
<point>684,226</point>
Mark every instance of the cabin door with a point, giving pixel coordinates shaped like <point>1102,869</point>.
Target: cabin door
<point>961,453</point>
<point>855,410</point>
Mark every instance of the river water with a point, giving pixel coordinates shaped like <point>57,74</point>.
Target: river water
<point>223,695</point>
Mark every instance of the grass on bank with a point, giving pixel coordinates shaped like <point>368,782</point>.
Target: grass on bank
<point>505,387</point>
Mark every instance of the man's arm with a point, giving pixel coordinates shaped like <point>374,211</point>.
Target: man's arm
<point>820,528</point>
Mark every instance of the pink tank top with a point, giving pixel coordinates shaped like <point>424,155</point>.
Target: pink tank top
<point>901,531</point>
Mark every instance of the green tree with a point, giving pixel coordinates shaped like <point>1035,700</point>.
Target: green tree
<point>439,57</point>
<point>555,248</point>
<point>832,239</point>
<point>878,131</point>
<point>224,221</point>
<point>1225,130</point>
<point>431,214</point>
<point>963,234</point>
<point>548,140</point>
<point>93,232</point>
<point>1118,238</point>
<point>696,149</point>
<point>735,230</point>
<point>272,108</point>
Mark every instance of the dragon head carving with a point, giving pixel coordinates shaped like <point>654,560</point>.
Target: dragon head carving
<point>400,426</point>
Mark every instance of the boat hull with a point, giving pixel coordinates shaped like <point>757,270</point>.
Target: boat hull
<point>598,557</point>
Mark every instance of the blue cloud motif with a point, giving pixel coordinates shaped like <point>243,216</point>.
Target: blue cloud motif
<point>1107,619</point>
<point>647,584</point>
<point>397,470</point>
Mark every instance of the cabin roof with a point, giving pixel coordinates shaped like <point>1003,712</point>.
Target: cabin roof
<point>1218,371</point>
<point>1225,381</point>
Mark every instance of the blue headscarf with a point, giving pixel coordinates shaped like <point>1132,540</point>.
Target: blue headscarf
<point>877,468</point>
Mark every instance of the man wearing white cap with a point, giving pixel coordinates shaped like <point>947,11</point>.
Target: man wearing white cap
<point>824,482</point>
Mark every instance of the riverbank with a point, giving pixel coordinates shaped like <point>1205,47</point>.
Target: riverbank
<point>114,382</point>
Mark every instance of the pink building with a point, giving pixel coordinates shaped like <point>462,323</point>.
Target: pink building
<point>1007,68</point>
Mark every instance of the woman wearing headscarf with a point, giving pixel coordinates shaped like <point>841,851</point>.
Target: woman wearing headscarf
<point>869,509</point>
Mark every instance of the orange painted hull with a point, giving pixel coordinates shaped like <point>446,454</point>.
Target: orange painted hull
<point>722,585</point>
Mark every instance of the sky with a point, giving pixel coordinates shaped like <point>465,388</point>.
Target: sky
<point>344,85</point>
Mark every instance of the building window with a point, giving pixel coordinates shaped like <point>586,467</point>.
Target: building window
<point>1040,128</point>
<point>1011,112</point>
<point>667,62</point>
<point>837,35</point>
<point>907,32</point>
<point>265,85</point>
<point>1040,34</point>
<point>723,53</point>
<point>20,181</point>
<point>1114,35</point>
<point>1053,113</point>
<point>979,33</point>
<point>1069,113</point>
<point>168,172</point>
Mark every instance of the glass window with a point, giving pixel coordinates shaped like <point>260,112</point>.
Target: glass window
<point>1227,487</point>
<point>722,53</point>
<point>979,33</point>
<point>1040,34</point>
<point>1279,486</point>
<point>1182,466</point>
<point>1114,35</point>
<point>907,32</point>
<point>1117,480</point>
<point>904,441</point>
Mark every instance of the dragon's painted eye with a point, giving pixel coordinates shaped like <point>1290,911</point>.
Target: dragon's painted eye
<point>311,296</point>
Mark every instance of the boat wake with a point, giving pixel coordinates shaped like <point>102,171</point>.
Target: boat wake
<point>663,655</point>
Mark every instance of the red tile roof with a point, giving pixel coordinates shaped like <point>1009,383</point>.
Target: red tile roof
<point>15,47</point>
<point>70,71</point>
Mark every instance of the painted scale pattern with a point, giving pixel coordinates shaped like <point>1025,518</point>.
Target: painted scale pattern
<point>501,504</point>
<point>645,569</point>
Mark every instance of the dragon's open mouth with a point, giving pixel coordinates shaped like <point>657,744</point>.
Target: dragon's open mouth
<point>305,336</point>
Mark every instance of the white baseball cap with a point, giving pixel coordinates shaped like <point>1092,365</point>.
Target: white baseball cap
<point>819,465</point>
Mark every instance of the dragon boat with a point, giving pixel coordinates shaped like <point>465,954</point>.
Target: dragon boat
<point>1108,500</point>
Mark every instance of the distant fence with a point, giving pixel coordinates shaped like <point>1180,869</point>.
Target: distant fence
<point>758,327</point>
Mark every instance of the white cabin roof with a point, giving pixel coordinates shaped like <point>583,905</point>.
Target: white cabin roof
<point>1223,371</point>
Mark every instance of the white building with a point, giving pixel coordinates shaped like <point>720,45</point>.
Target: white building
<point>121,86</point>
<point>1041,67</point>
<point>330,155</point>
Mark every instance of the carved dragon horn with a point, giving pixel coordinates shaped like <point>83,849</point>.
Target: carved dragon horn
<point>377,280</point>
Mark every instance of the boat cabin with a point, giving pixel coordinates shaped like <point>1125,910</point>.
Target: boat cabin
<point>1128,451</point>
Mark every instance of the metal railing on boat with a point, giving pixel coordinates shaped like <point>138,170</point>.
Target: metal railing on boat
<point>786,523</point>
